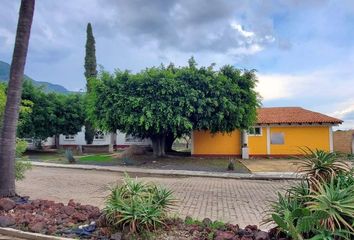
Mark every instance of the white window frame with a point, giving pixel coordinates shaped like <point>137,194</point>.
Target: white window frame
<point>69,137</point>
<point>254,134</point>
<point>101,135</point>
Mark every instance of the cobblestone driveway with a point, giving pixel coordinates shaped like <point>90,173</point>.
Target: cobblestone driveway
<point>229,200</point>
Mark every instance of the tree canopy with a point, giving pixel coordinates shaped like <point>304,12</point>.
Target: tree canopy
<point>162,101</point>
<point>52,113</point>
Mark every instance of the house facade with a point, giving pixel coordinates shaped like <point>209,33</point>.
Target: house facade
<point>118,140</point>
<point>279,131</point>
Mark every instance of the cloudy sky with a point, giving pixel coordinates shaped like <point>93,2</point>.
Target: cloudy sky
<point>303,50</point>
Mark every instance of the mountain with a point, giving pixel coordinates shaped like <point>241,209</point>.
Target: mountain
<point>48,87</point>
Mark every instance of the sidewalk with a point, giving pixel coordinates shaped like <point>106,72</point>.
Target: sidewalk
<point>186,173</point>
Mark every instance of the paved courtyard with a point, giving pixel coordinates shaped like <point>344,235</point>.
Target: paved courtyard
<point>229,200</point>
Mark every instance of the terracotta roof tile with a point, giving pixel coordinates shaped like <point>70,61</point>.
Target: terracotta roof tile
<point>288,115</point>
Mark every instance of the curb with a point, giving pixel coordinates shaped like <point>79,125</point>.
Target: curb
<point>181,173</point>
<point>10,232</point>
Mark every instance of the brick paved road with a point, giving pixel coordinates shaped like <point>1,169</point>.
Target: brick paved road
<point>229,200</point>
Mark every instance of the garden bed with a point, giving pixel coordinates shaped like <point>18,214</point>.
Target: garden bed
<point>75,220</point>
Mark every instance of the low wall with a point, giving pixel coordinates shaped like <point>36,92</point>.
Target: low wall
<point>343,141</point>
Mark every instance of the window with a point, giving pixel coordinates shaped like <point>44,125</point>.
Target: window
<point>69,137</point>
<point>99,135</point>
<point>277,138</point>
<point>255,131</point>
<point>130,138</point>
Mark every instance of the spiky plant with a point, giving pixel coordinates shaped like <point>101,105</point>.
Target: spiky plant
<point>137,205</point>
<point>337,200</point>
<point>319,165</point>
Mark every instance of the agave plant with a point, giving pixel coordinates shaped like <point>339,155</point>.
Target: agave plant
<point>337,200</point>
<point>137,205</point>
<point>320,165</point>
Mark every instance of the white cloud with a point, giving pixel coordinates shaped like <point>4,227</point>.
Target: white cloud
<point>241,30</point>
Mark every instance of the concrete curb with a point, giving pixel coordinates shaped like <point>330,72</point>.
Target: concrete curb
<point>10,232</point>
<point>182,173</point>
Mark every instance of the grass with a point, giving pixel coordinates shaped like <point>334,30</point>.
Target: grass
<point>99,158</point>
<point>178,161</point>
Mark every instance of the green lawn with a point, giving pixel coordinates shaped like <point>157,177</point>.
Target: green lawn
<point>100,158</point>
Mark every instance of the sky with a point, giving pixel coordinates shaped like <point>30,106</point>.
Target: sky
<point>303,50</point>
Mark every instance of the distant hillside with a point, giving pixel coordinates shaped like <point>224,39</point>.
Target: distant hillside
<point>48,87</point>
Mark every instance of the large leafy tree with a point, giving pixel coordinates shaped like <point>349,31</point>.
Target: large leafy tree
<point>161,102</point>
<point>8,131</point>
<point>90,72</point>
<point>52,113</point>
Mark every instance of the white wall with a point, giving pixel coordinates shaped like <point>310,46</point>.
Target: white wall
<point>120,139</point>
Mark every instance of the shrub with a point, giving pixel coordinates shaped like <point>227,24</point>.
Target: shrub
<point>322,205</point>
<point>69,156</point>
<point>320,165</point>
<point>21,165</point>
<point>337,200</point>
<point>231,165</point>
<point>137,205</point>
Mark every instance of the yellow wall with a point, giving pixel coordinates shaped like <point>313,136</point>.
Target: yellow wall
<point>313,137</point>
<point>258,144</point>
<point>205,143</point>
<point>295,137</point>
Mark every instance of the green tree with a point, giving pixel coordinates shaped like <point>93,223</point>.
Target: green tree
<point>160,102</point>
<point>12,107</point>
<point>90,72</point>
<point>52,113</point>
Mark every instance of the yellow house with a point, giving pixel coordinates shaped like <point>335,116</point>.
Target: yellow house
<point>279,131</point>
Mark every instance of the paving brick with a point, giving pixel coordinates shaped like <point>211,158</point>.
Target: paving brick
<point>230,200</point>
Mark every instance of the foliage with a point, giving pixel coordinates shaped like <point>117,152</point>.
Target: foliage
<point>320,165</point>
<point>322,205</point>
<point>231,165</point>
<point>137,205</point>
<point>336,201</point>
<point>90,57</point>
<point>69,156</point>
<point>89,132</point>
<point>52,113</point>
<point>159,102</point>
<point>21,165</point>
<point>90,72</point>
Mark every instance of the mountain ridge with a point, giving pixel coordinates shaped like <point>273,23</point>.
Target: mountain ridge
<point>48,87</point>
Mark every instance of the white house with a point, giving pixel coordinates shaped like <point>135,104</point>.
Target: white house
<point>118,140</point>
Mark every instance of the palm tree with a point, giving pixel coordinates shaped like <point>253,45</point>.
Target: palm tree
<point>8,131</point>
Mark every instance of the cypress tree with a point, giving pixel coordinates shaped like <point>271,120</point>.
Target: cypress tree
<point>90,57</point>
<point>90,71</point>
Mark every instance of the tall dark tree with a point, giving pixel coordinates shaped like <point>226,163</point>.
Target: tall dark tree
<point>8,131</point>
<point>90,72</point>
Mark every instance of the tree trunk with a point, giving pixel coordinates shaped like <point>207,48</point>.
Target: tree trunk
<point>8,132</point>
<point>169,142</point>
<point>57,141</point>
<point>158,145</point>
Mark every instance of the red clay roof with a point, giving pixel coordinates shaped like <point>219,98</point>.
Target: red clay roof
<point>289,115</point>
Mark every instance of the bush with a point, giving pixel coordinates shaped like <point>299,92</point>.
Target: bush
<point>21,165</point>
<point>322,205</point>
<point>337,200</point>
<point>137,205</point>
<point>320,165</point>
